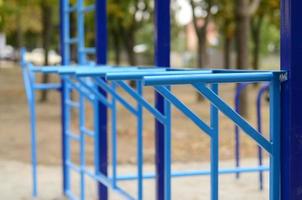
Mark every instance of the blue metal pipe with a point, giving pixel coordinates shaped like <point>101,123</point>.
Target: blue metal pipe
<point>262,90</point>
<point>239,88</point>
<point>214,148</point>
<point>208,78</point>
<point>192,173</point>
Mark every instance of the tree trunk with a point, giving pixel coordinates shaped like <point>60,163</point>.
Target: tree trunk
<point>227,52</point>
<point>242,34</point>
<point>129,42</point>
<point>227,46</point>
<point>129,49</point>
<point>46,36</point>
<point>202,56</point>
<point>256,37</point>
<point>117,47</point>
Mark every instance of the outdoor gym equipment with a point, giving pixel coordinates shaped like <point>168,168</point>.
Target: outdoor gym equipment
<point>96,83</point>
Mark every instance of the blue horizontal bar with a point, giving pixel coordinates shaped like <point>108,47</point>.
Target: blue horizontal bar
<point>90,50</point>
<point>72,8</point>
<point>87,132</point>
<point>47,86</point>
<point>89,8</point>
<point>72,103</point>
<point>73,136</point>
<point>101,71</point>
<point>179,174</point>
<point>108,183</point>
<point>155,72</point>
<point>208,78</point>
<point>72,41</point>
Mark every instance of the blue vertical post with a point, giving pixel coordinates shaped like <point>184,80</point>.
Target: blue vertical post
<point>214,148</point>
<point>291,107</point>
<point>274,91</point>
<point>101,59</point>
<point>64,48</point>
<point>140,145</point>
<point>162,59</point>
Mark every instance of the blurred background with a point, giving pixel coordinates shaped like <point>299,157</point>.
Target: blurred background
<point>229,34</point>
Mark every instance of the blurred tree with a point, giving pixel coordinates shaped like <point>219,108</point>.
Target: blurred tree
<point>201,13</point>
<point>257,22</point>
<point>46,7</point>
<point>124,20</point>
<point>245,9</point>
<point>225,19</point>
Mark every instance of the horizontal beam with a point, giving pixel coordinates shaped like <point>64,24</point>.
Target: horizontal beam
<point>179,174</point>
<point>208,78</point>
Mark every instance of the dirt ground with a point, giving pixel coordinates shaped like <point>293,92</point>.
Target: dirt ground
<point>189,144</point>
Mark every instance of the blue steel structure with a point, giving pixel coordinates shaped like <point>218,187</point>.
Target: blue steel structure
<point>291,151</point>
<point>94,83</point>
<point>76,79</point>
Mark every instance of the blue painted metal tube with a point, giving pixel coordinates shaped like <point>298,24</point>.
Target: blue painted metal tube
<point>66,141</point>
<point>80,90</point>
<point>101,58</point>
<point>263,89</point>
<point>30,95</point>
<point>88,132</point>
<point>95,92</point>
<point>235,117</point>
<point>184,109</point>
<point>65,55</point>
<point>275,161</point>
<point>159,116</point>
<point>70,195</point>
<point>108,183</point>
<point>101,83</point>
<point>208,78</point>
<point>239,88</point>
<point>81,32</point>
<point>139,74</point>
<point>73,136</point>
<point>214,148</point>
<point>90,50</point>
<point>180,174</point>
<point>167,147</point>
<point>114,136</point>
<point>140,145</point>
<point>162,59</point>
<point>82,146</point>
<point>89,8</point>
<point>72,40</point>
<point>33,142</point>
<point>48,86</point>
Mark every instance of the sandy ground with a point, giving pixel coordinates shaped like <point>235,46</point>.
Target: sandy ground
<point>18,183</point>
<point>188,142</point>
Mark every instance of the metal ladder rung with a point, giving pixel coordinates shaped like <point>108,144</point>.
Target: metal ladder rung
<point>89,8</point>
<point>73,136</point>
<point>71,9</point>
<point>88,132</point>
<point>88,50</point>
<point>72,41</point>
<point>72,104</point>
<point>73,166</point>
